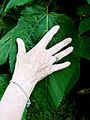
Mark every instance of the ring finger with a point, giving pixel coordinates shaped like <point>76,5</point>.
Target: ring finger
<point>62,54</point>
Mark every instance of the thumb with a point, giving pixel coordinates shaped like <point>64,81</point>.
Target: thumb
<point>21,46</point>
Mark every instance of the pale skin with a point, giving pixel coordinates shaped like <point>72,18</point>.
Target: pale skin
<point>30,68</point>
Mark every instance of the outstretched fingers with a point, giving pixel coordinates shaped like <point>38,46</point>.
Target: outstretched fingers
<point>59,46</point>
<point>57,67</point>
<point>62,54</point>
<point>48,36</point>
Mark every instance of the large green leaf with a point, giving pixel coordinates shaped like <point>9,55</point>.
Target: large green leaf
<point>85,46</point>
<point>53,87</point>
<point>84,25</point>
<point>33,24</point>
<point>14,3</point>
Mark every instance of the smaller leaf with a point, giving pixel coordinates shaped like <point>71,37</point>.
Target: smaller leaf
<point>85,46</point>
<point>14,3</point>
<point>5,47</point>
<point>83,10</point>
<point>84,26</point>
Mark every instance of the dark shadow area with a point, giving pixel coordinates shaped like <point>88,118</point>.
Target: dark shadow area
<point>82,89</point>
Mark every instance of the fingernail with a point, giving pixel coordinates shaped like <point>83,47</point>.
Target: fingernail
<point>57,27</point>
<point>70,39</point>
<point>71,48</point>
<point>68,63</point>
<point>18,39</point>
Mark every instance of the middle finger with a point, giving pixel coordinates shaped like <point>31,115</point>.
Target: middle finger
<point>59,46</point>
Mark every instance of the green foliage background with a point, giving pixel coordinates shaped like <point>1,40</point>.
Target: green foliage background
<point>30,20</point>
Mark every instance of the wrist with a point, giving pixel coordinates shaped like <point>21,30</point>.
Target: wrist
<point>26,85</point>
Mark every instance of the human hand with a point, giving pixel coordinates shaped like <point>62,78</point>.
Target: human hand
<point>36,64</point>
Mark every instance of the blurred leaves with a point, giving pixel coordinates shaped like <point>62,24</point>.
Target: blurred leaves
<point>88,1</point>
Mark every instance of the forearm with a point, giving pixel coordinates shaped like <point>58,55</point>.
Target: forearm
<point>13,102</point>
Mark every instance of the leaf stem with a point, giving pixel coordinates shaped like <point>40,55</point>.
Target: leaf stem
<point>48,3</point>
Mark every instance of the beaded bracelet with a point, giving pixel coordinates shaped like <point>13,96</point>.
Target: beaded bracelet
<point>28,100</point>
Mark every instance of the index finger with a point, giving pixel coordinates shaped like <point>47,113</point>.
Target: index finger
<point>49,35</point>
